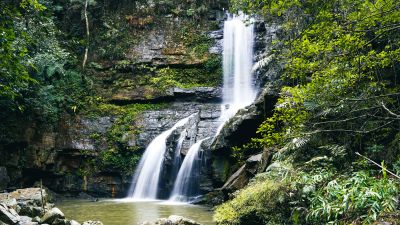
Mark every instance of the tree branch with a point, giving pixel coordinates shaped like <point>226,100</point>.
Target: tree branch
<point>87,35</point>
<point>395,175</point>
<point>390,112</point>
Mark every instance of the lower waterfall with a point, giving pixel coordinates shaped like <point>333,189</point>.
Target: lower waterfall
<point>147,174</point>
<point>187,181</point>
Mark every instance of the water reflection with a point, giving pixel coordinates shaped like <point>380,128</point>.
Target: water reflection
<point>124,212</point>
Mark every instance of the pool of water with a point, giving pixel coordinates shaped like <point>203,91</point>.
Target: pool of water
<point>114,212</point>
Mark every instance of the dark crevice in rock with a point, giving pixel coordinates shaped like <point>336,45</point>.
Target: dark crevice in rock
<point>197,94</point>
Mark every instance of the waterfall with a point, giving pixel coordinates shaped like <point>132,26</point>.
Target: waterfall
<point>239,90</point>
<point>147,174</point>
<point>187,182</point>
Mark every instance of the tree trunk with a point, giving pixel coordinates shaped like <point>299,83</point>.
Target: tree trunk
<point>87,34</point>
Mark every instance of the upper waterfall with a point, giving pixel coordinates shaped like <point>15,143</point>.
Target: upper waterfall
<point>239,89</point>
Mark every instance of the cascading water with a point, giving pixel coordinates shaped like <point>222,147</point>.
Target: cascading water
<point>239,90</point>
<point>147,174</point>
<point>187,182</point>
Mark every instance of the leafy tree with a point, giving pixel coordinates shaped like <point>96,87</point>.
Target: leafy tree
<point>14,64</point>
<point>36,71</point>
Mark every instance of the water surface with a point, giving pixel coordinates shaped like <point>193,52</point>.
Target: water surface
<point>131,213</point>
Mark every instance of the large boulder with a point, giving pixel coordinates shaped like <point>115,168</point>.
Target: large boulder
<point>51,215</point>
<point>30,201</point>
<point>254,164</point>
<point>238,180</point>
<point>8,215</point>
<point>8,200</point>
<point>34,195</point>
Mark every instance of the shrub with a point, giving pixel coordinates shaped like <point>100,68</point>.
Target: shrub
<point>263,202</point>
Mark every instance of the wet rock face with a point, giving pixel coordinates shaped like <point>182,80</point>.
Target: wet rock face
<point>164,45</point>
<point>78,131</point>
<point>154,123</point>
<point>201,94</point>
<point>55,157</point>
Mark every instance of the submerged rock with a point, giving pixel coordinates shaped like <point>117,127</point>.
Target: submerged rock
<point>173,220</point>
<point>61,222</point>
<point>73,222</point>
<point>91,222</point>
<point>26,220</point>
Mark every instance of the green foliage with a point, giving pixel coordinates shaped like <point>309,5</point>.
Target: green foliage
<point>209,74</point>
<point>14,72</point>
<point>195,40</point>
<point>288,117</point>
<point>359,197</point>
<point>312,195</point>
<point>40,77</point>
<point>114,38</point>
<point>165,79</point>
<point>122,161</point>
<point>262,202</point>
